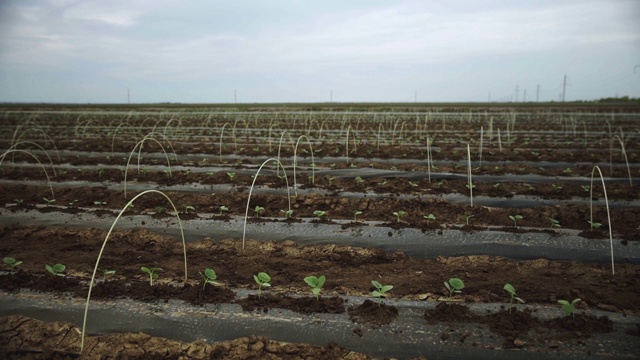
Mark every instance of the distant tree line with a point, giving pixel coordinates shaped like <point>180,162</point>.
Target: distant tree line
<point>618,100</point>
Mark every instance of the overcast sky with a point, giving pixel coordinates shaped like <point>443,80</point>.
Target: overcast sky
<point>305,50</point>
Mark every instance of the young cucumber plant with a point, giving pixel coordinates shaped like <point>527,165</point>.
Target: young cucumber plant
<point>152,272</point>
<point>399,214</point>
<point>454,285</point>
<point>512,292</point>
<point>316,284</point>
<point>380,290</point>
<point>106,273</point>
<point>11,263</point>
<point>515,219</point>
<point>209,277</point>
<point>262,279</point>
<point>56,270</point>
<point>569,308</point>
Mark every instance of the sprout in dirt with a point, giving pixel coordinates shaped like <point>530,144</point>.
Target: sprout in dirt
<point>358,180</point>
<point>56,270</point>
<point>319,214</point>
<point>209,277</point>
<point>429,217</point>
<point>380,290</point>
<point>316,284</point>
<point>594,225</point>
<point>189,207</point>
<point>11,263</point>
<point>466,218</point>
<point>223,209</point>
<point>152,272</point>
<point>20,201</point>
<point>106,273</point>
<point>258,209</point>
<point>231,175</point>
<point>49,201</point>
<point>287,213</point>
<point>355,215</point>
<point>569,308</point>
<point>330,179</point>
<point>454,285</point>
<point>399,214</point>
<point>515,219</point>
<point>554,223</point>
<point>100,203</point>
<point>512,292</point>
<point>262,279</point>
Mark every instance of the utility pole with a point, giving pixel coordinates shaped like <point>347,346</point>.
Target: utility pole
<point>538,93</point>
<point>524,96</point>
<point>516,93</point>
<point>564,87</point>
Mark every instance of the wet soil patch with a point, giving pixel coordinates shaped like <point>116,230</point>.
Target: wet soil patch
<point>372,313</point>
<point>449,312</point>
<point>303,305</point>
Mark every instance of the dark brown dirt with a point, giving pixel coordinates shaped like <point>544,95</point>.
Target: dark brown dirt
<point>304,305</point>
<point>372,313</point>
<point>25,338</point>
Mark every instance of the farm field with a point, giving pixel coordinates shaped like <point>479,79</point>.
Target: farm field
<point>408,196</point>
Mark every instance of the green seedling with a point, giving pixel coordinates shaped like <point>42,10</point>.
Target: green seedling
<point>19,201</point>
<point>319,214</point>
<point>189,207</point>
<point>106,273</point>
<point>515,219</point>
<point>231,175</point>
<point>358,180</point>
<point>380,290</point>
<point>49,201</point>
<point>555,223</point>
<point>330,179</point>
<point>56,270</point>
<point>556,187</point>
<point>223,209</point>
<point>466,218</point>
<point>399,214</point>
<point>160,209</point>
<point>512,292</point>
<point>355,215</point>
<point>454,285</point>
<point>11,263</point>
<point>209,277</point>
<point>429,218</point>
<point>569,308</point>
<point>316,284</point>
<point>72,204</point>
<point>586,188</point>
<point>258,209</point>
<point>594,225</point>
<point>99,203</point>
<point>153,273</point>
<point>567,171</point>
<point>287,213</point>
<point>262,279</point>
